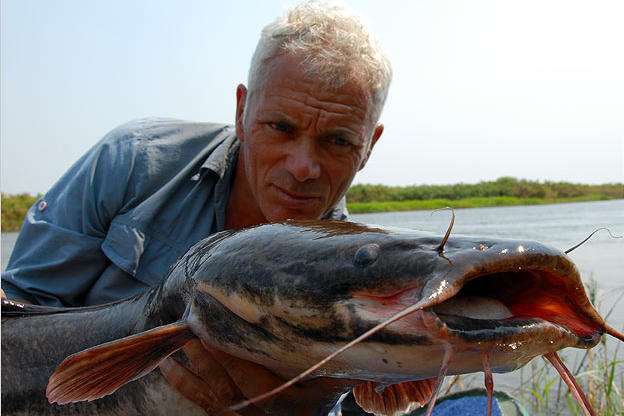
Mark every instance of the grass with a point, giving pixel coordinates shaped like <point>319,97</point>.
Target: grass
<point>541,391</point>
<point>14,208</point>
<point>472,202</point>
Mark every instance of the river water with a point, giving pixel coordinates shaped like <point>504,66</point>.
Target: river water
<point>558,225</point>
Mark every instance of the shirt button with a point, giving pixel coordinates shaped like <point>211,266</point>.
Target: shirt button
<point>42,206</point>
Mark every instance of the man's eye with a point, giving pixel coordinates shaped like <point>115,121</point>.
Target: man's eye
<point>282,127</point>
<point>339,141</point>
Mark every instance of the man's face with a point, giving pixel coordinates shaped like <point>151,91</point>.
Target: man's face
<point>301,142</point>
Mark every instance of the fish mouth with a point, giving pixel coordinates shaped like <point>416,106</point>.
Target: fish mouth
<point>504,304</point>
<point>500,307</point>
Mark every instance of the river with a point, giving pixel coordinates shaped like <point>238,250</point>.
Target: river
<point>558,225</point>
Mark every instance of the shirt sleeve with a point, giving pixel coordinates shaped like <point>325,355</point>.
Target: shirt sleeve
<point>57,255</point>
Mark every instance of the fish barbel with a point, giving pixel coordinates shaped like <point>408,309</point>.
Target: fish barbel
<point>290,295</point>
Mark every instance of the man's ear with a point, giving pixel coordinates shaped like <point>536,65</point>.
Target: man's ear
<point>376,135</point>
<point>241,99</point>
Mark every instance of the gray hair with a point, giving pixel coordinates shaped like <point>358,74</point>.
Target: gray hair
<point>336,46</point>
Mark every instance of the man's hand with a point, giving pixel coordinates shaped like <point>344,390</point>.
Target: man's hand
<point>3,297</point>
<point>218,380</point>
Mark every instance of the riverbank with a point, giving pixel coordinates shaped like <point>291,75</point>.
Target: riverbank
<point>472,202</point>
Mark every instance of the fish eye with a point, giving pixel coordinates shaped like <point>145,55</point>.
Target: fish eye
<point>367,254</point>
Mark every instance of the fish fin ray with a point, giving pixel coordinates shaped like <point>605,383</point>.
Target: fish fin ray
<point>99,371</point>
<point>398,398</point>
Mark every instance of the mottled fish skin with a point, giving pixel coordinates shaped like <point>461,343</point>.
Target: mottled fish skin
<point>285,295</point>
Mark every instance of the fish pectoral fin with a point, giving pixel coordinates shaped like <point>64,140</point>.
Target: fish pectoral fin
<point>394,399</point>
<point>100,370</point>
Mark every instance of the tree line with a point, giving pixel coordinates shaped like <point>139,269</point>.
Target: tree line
<point>502,187</point>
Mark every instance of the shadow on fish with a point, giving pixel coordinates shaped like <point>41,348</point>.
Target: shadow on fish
<point>397,309</point>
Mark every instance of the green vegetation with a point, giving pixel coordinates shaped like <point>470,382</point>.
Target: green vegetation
<point>14,208</point>
<point>502,192</point>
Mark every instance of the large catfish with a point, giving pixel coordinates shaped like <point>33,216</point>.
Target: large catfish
<point>289,295</point>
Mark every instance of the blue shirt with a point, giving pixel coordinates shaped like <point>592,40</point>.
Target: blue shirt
<point>134,203</point>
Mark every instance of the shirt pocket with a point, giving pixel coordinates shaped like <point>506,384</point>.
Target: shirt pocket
<point>124,246</point>
<point>138,252</point>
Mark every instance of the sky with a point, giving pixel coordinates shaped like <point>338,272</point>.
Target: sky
<point>481,89</point>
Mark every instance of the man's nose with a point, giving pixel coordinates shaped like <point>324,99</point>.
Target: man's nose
<point>302,161</point>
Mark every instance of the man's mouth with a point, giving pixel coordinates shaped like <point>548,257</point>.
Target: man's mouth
<point>296,199</point>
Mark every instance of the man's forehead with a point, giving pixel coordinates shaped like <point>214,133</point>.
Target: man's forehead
<point>287,84</point>
<point>285,69</point>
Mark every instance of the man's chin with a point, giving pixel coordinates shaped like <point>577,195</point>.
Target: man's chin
<point>280,215</point>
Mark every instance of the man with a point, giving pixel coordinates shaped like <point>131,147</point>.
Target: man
<point>135,202</point>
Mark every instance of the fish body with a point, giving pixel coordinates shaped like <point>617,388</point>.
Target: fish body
<point>287,295</point>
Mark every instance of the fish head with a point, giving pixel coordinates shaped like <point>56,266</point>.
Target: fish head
<point>279,292</point>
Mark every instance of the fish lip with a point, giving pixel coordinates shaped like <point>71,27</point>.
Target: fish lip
<point>502,332</point>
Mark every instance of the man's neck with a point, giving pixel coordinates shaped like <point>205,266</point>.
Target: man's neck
<point>242,211</point>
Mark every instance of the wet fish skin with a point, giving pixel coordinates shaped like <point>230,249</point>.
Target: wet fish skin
<point>404,260</point>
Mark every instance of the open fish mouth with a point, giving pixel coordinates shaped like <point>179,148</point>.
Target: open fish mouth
<point>500,305</point>
<point>516,315</point>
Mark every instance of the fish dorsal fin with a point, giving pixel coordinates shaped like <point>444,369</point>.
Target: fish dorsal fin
<point>100,370</point>
<point>395,399</point>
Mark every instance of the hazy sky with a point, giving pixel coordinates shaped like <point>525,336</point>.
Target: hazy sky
<point>481,89</point>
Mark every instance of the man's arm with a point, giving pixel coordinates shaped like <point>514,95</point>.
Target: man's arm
<point>217,380</point>
<point>57,255</point>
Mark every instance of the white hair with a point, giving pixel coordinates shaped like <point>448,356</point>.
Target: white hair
<point>335,45</point>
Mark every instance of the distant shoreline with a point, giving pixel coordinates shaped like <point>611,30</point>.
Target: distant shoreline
<point>474,202</point>
<point>505,191</point>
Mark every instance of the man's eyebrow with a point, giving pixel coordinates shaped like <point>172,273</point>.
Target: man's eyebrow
<point>342,131</point>
<point>277,116</point>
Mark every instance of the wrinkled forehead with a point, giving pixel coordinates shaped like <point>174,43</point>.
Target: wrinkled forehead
<point>285,68</point>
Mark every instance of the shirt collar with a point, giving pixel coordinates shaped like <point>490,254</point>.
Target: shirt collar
<point>220,159</point>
